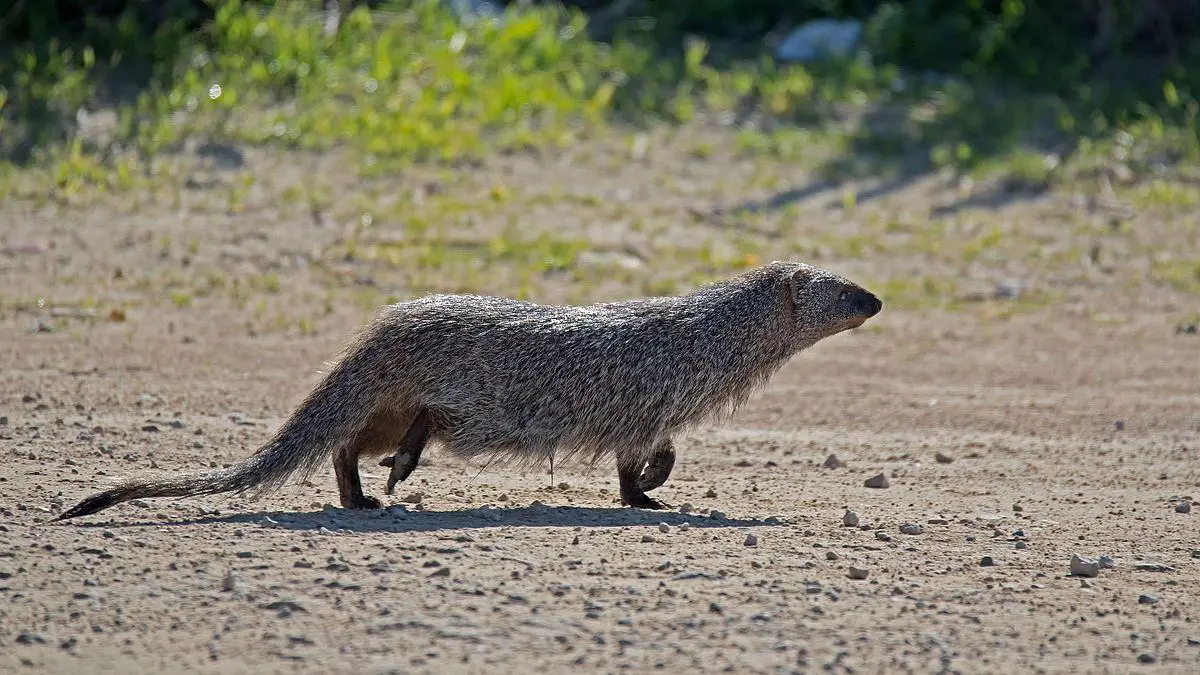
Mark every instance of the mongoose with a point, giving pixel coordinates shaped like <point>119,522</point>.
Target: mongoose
<point>518,381</point>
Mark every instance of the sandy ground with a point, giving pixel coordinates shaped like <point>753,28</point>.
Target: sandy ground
<point>1009,445</point>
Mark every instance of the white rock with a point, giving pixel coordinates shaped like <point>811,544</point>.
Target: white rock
<point>818,40</point>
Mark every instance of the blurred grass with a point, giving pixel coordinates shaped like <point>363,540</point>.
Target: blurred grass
<point>413,82</point>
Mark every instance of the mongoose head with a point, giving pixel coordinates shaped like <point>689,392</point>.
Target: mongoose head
<point>826,304</point>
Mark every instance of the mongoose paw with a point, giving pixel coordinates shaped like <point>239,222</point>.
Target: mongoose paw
<point>364,502</point>
<point>658,469</point>
<point>643,502</point>
<point>402,467</point>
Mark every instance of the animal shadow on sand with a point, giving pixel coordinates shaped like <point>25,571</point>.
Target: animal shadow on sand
<point>399,521</point>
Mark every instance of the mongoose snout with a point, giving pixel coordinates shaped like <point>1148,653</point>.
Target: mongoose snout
<point>867,303</point>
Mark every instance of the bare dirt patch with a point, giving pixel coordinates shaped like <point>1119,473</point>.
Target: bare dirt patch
<point>177,332</point>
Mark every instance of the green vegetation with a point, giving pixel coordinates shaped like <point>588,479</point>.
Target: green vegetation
<point>411,82</point>
<point>1030,96</point>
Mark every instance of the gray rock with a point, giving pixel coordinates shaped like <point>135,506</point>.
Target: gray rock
<point>664,528</point>
<point>987,561</point>
<point>943,458</point>
<point>1084,567</point>
<point>1183,507</point>
<point>1107,563</point>
<point>850,519</point>
<point>858,573</point>
<point>751,540</point>
<point>832,462</point>
<point>820,40</point>
<point>911,528</point>
<point>877,481</point>
<point>1147,599</point>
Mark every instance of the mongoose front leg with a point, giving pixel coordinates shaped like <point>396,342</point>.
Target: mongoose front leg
<point>629,473</point>
<point>659,467</point>
<point>409,452</point>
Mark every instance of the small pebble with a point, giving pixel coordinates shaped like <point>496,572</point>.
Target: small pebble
<point>1084,567</point>
<point>943,458</point>
<point>1119,425</point>
<point>647,539</point>
<point>850,519</point>
<point>1147,599</point>
<point>832,462</point>
<point>1107,563</point>
<point>987,561</point>
<point>877,481</point>
<point>441,572</point>
<point>1183,507</point>
<point>716,515</point>
<point>232,583</point>
<point>858,573</point>
<point>751,540</point>
<point>830,555</point>
<point>911,528</point>
<point>1147,658</point>
<point>684,527</point>
<point>715,608</point>
<point>711,494</point>
<point>1017,508</point>
<point>664,528</point>
<point>686,508</point>
<point>1021,545</point>
<point>882,536</point>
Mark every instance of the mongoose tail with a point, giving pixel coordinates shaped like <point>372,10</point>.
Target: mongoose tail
<point>330,418</point>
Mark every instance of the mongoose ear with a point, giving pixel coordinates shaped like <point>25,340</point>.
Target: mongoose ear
<point>800,278</point>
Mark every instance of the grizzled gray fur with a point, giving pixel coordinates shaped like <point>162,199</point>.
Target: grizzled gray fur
<point>488,377</point>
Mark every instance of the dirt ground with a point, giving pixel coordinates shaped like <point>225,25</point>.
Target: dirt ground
<point>1017,438</point>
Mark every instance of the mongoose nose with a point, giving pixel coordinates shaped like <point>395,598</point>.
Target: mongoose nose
<point>869,304</point>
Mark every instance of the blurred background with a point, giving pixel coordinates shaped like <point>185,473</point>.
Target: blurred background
<point>995,153</point>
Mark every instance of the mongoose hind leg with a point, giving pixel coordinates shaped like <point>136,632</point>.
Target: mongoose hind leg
<point>380,435</point>
<point>409,452</point>
<point>658,469</point>
<point>629,474</point>
<point>350,492</point>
